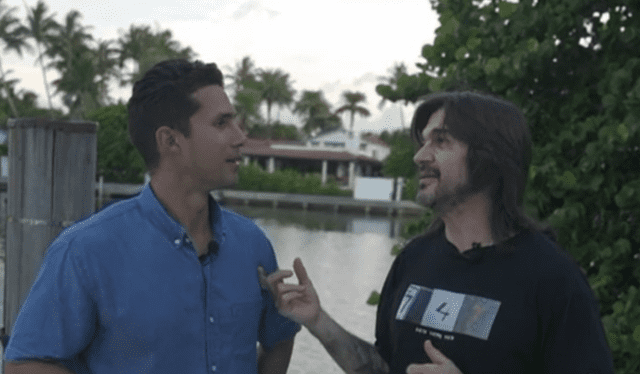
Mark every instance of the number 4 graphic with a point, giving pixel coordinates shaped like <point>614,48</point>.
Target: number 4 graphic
<point>445,313</point>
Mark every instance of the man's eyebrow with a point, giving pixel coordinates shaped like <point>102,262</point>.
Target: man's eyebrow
<point>223,117</point>
<point>438,131</point>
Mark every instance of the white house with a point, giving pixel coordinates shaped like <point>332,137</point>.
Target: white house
<point>336,153</point>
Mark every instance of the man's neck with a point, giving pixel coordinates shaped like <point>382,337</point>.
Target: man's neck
<point>184,203</point>
<point>468,224</point>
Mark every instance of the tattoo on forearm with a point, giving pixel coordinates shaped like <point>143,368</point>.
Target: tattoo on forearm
<point>356,356</point>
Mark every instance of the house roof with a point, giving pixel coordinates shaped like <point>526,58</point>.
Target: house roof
<point>374,139</point>
<point>262,147</point>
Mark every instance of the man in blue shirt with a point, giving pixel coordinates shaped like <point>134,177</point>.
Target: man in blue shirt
<point>165,282</point>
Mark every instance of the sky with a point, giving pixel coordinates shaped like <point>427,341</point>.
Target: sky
<point>328,45</point>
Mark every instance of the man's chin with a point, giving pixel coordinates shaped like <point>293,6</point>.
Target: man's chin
<point>425,200</point>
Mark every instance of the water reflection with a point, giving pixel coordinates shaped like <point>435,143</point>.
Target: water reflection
<point>324,221</point>
<point>346,256</point>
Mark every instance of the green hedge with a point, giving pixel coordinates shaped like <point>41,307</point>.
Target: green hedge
<point>254,178</point>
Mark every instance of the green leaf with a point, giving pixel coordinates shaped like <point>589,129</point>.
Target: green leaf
<point>636,334</point>
<point>473,43</point>
<point>625,198</point>
<point>618,307</point>
<point>506,9</point>
<point>460,53</point>
<point>492,66</point>
<point>435,84</point>
<point>623,246</point>
<point>427,51</point>
<point>623,132</point>
<point>568,179</point>
<point>533,45</point>
<point>374,298</point>
<point>595,182</point>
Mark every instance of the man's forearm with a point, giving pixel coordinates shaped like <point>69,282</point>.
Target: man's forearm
<point>275,361</point>
<point>352,354</point>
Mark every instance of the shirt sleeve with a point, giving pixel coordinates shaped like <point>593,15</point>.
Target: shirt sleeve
<point>57,320</point>
<point>274,328</point>
<point>573,335</point>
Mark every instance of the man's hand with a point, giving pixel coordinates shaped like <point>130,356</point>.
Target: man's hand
<point>441,364</point>
<point>299,302</point>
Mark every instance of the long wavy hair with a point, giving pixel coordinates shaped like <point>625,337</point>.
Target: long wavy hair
<point>498,157</point>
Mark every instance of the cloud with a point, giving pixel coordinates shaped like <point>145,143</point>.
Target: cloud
<point>255,7</point>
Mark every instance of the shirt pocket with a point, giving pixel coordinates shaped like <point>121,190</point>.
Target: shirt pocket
<point>239,324</point>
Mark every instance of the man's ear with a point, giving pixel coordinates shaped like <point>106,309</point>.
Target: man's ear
<point>166,140</point>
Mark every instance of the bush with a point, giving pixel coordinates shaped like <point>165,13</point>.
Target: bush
<point>253,178</point>
<point>118,160</point>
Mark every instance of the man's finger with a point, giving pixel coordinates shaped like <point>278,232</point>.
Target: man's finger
<point>285,287</point>
<point>301,272</point>
<point>435,355</point>
<point>278,276</point>
<point>268,282</point>
<point>424,369</point>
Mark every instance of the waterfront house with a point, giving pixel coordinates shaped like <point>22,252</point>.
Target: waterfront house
<point>339,153</point>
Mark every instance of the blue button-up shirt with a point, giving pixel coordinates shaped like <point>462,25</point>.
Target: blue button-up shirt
<point>125,292</point>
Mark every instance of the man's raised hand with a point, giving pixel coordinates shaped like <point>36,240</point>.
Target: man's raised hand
<point>298,302</point>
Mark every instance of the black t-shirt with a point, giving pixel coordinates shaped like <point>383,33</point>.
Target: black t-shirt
<point>522,308</point>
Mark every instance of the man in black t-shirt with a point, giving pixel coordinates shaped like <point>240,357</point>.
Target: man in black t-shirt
<point>485,289</point>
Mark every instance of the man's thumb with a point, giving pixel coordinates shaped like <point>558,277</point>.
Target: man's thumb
<point>435,355</point>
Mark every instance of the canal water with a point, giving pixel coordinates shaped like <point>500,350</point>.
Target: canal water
<point>346,256</point>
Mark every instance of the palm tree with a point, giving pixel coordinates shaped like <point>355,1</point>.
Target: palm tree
<point>73,58</point>
<point>12,35</point>
<point>246,92</point>
<point>275,89</point>
<point>244,75</point>
<point>105,59</point>
<point>316,112</point>
<point>395,73</point>
<point>40,25</point>
<point>146,48</point>
<point>353,99</point>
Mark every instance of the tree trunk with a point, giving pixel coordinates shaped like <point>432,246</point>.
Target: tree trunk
<point>44,79</point>
<point>353,114</point>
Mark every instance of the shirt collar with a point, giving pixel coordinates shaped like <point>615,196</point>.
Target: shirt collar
<point>157,214</point>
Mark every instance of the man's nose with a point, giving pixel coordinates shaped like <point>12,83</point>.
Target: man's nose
<point>242,134</point>
<point>424,154</point>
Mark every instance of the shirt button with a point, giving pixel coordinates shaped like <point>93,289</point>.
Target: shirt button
<point>214,368</point>
<point>211,319</point>
<point>177,241</point>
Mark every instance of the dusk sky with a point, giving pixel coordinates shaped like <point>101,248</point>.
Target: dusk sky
<point>332,45</point>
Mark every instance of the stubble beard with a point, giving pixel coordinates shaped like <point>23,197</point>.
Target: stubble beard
<point>445,201</point>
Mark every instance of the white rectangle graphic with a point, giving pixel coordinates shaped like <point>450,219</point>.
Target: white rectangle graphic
<point>443,309</point>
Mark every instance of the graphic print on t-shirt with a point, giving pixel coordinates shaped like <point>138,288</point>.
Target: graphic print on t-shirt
<point>448,311</point>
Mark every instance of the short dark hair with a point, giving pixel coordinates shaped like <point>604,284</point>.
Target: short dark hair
<point>499,152</point>
<point>163,97</point>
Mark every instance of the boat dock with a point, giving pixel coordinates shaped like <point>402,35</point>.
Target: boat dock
<point>275,200</point>
<point>337,204</point>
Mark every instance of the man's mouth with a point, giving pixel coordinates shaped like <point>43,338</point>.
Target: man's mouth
<point>235,160</point>
<point>427,175</point>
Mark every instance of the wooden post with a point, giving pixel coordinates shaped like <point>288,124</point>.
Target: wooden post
<point>51,185</point>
